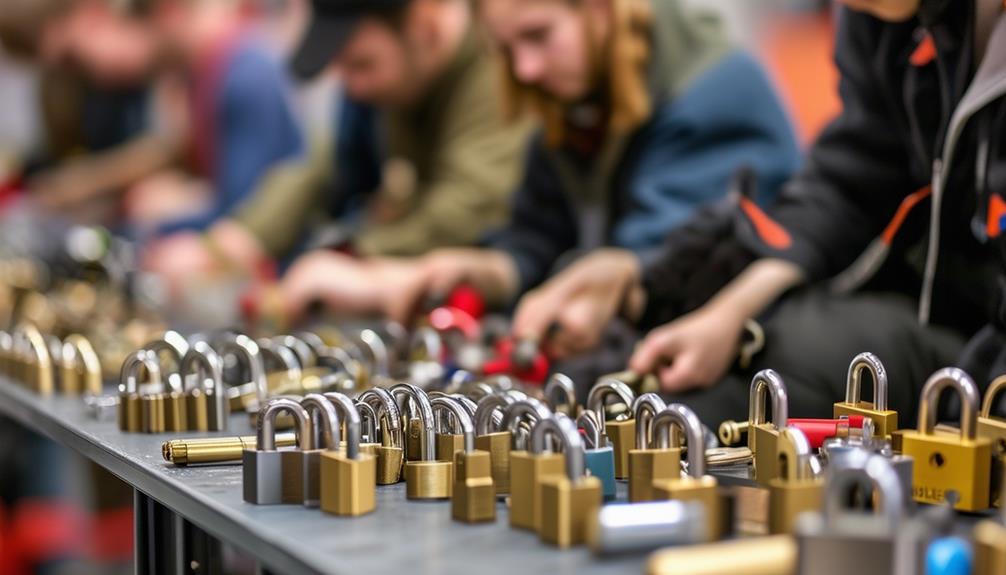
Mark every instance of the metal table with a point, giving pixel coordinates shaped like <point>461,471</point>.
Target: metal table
<point>182,514</point>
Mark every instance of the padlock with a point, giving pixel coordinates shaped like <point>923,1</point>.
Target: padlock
<point>837,540</point>
<point>390,452</point>
<point>36,365</point>
<point>600,459</point>
<point>528,466</point>
<point>206,404</point>
<point>450,437</point>
<point>283,373</point>
<point>425,478</point>
<point>994,429</point>
<point>348,477</point>
<point>696,485</point>
<point>491,438</point>
<point>620,432</point>
<point>173,398</point>
<point>131,417</point>
<point>775,555</point>
<point>762,435</point>
<point>252,394</point>
<point>946,462</point>
<point>560,393</point>
<point>473,496</point>
<point>949,556</point>
<point>569,501</point>
<point>81,369</point>
<point>302,468</point>
<point>644,527</point>
<point>798,488</point>
<point>646,462</point>
<point>885,421</point>
<point>262,472</point>
<point>990,544</point>
<point>368,428</point>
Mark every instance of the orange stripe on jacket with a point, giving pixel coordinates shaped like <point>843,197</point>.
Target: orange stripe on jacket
<point>907,205</point>
<point>997,211</point>
<point>774,235</point>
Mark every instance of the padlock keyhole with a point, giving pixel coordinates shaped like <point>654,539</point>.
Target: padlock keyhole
<point>937,459</point>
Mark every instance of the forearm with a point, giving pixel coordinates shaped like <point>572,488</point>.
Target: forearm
<point>757,287</point>
<point>131,162</point>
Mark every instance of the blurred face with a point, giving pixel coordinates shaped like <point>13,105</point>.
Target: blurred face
<point>890,10</point>
<point>375,66</point>
<point>547,42</point>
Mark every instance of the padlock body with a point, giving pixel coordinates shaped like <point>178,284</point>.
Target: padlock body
<point>705,490</point>
<point>526,472</point>
<point>788,499</point>
<point>884,422</point>
<point>152,412</point>
<point>196,410</point>
<point>175,412</point>
<point>413,440</point>
<point>765,439</point>
<point>348,486</point>
<point>218,411</point>
<point>262,477</point>
<point>300,475</point>
<point>498,446</point>
<point>448,445</point>
<point>130,413</point>
<point>474,497</point>
<point>601,464</point>
<point>568,508</point>
<point>649,465</point>
<point>946,462</point>
<point>995,431</point>
<point>429,479</point>
<point>622,435</point>
<point>863,549</point>
<point>389,464</point>
<point>990,548</point>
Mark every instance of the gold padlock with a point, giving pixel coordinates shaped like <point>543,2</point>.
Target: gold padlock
<point>620,432</point>
<point>473,496</point>
<point>36,366</point>
<point>647,462</point>
<point>570,500</point>
<point>528,467</point>
<point>425,478</point>
<point>885,421</point>
<point>130,405</point>
<point>390,452</point>
<point>763,436</point>
<point>560,393</point>
<point>493,439</point>
<point>797,489</point>
<point>348,479</point>
<point>994,429</point>
<point>173,347</point>
<point>325,425</point>
<point>945,462</point>
<point>81,369</point>
<point>990,544</point>
<point>450,435</point>
<point>206,404</point>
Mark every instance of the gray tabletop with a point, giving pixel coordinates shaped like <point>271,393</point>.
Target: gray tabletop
<point>399,537</point>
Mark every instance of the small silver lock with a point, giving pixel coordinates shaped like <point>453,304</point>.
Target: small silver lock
<point>263,466</point>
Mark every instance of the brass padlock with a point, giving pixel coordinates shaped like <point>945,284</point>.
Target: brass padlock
<point>528,466</point>
<point>302,468</point>
<point>473,496</point>
<point>130,404</point>
<point>425,478</point>
<point>349,477</point>
<point>490,437</point>
<point>946,462</point>
<point>391,451</point>
<point>797,489</point>
<point>36,365</point>
<point>206,404</point>
<point>885,421</point>
<point>263,472</point>
<point>570,500</point>
<point>620,432</point>
<point>762,435</point>
<point>175,415</point>
<point>994,429</point>
<point>560,393</point>
<point>646,462</point>
<point>696,485</point>
<point>81,369</point>
<point>450,435</point>
<point>990,544</point>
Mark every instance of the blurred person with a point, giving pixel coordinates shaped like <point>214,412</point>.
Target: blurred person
<point>647,113</point>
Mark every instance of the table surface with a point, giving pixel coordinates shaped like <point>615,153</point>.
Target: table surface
<point>399,537</point>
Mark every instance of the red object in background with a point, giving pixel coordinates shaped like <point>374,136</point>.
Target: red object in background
<point>819,430</point>
<point>448,318</point>
<point>467,299</point>
<point>9,190</point>
<point>503,364</point>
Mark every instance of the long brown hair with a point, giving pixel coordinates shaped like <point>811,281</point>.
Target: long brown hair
<point>621,63</point>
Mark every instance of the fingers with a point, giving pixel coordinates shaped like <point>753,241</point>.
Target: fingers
<point>581,322</point>
<point>535,312</point>
<point>680,375</point>
<point>660,346</point>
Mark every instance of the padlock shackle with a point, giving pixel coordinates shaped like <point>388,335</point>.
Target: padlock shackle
<point>403,392</point>
<point>460,417</point>
<point>177,341</point>
<point>368,420</point>
<point>265,432</point>
<point>956,379</point>
<point>560,390</point>
<point>768,381</point>
<point>305,354</point>
<point>561,427</point>
<point>336,359</point>
<point>587,421</point>
<point>502,382</point>
<point>204,362</point>
<point>380,359</point>
<point>493,403</point>
<point>853,387</point>
<point>130,372</point>
<point>644,409</point>
<point>314,342</point>
<point>350,416</point>
<point>665,429</point>
<point>870,472</point>
<point>997,386</point>
<point>425,345</point>
<point>324,421</point>
<point>282,355</point>
<point>77,350</point>
<point>469,405</point>
<point>34,342</point>
<point>599,394</point>
<point>478,390</point>
<point>244,348</point>
<point>528,409</point>
<point>159,346</point>
<point>384,404</point>
<point>794,448</point>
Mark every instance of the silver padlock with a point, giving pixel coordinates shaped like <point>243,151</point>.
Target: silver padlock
<point>640,527</point>
<point>560,393</point>
<point>263,466</point>
<point>621,430</point>
<point>248,354</point>
<point>302,468</point>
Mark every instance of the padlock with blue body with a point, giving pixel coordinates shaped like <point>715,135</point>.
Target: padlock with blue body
<point>600,460</point>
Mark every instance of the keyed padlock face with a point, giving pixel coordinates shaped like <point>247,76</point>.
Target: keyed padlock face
<point>474,497</point>
<point>429,479</point>
<point>526,472</point>
<point>649,465</point>
<point>389,464</point>
<point>946,463</point>
<point>568,508</point>
<point>348,485</point>
<point>498,446</point>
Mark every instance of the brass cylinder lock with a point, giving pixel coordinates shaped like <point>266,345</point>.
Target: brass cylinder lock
<point>620,431</point>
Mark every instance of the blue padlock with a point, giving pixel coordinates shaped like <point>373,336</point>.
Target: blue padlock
<point>948,556</point>
<point>600,460</point>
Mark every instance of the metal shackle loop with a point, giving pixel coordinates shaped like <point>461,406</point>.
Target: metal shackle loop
<point>130,373</point>
<point>325,423</point>
<point>281,354</point>
<point>348,414</point>
<point>644,409</point>
<point>34,342</point>
<point>265,434</point>
<point>529,408</point>
<point>206,364</point>
<point>560,390</point>
<point>853,388</point>
<point>959,381</point>
<point>587,421</point>
<point>478,390</point>
<point>303,351</point>
<point>368,421</point>
<point>665,425</point>
<point>245,348</point>
<point>795,450</point>
<point>561,427</point>
<point>461,418</point>
<point>871,473</point>
<point>425,345</point>
<point>384,404</point>
<point>403,392</point>
<point>602,390</point>
<point>76,348</point>
<point>378,352</point>
<point>177,341</point>
<point>313,341</point>
<point>768,381</point>
<point>997,386</point>
<point>469,405</point>
<point>172,348</point>
<point>484,413</point>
